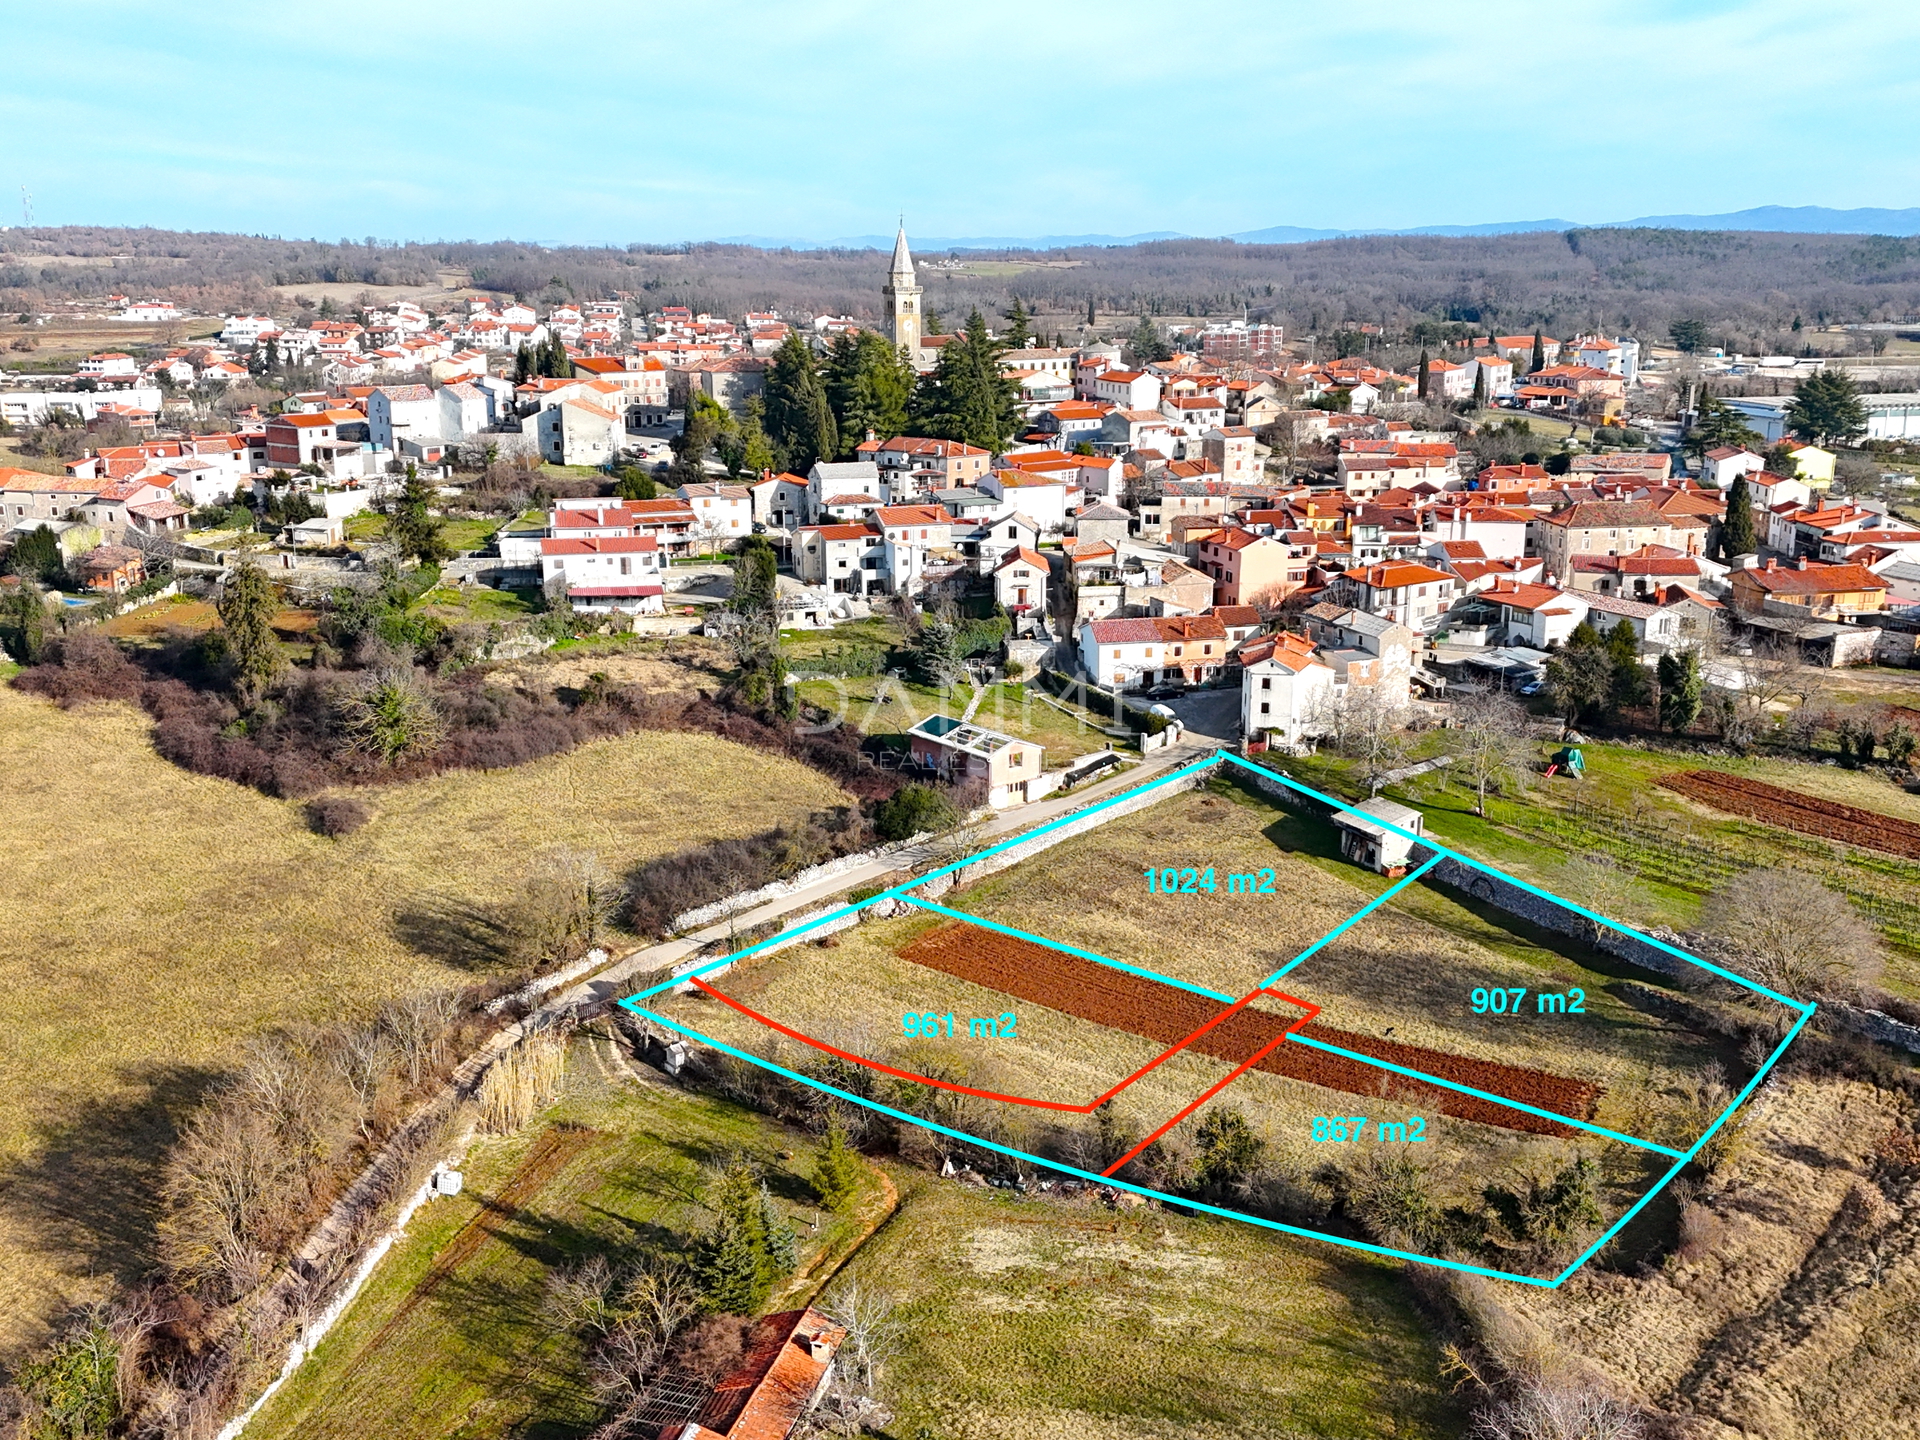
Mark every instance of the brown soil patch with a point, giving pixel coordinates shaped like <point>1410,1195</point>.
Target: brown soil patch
<point>1791,810</point>
<point>1159,1012</point>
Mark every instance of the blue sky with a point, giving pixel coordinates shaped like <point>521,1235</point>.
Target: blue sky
<point>591,123</point>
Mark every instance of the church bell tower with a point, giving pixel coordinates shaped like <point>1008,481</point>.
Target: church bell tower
<point>903,299</point>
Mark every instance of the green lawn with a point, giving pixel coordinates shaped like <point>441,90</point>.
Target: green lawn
<point>477,603</point>
<point>1042,1318</point>
<point>431,1347</point>
<point>800,646</point>
<point>459,534</point>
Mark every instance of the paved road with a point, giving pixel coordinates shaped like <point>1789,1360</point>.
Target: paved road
<point>612,980</point>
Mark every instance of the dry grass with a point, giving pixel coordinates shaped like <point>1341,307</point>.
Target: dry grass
<point>1092,892</point>
<point>1797,1324</point>
<point>153,919</point>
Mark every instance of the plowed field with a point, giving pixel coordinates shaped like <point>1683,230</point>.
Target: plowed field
<point>1160,1012</point>
<point>1791,810</point>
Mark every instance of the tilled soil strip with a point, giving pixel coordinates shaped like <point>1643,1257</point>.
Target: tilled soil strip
<point>1159,1012</point>
<point>1791,810</point>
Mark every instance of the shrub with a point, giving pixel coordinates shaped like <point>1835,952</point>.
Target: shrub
<point>337,815</point>
<point>674,884</point>
<point>914,811</point>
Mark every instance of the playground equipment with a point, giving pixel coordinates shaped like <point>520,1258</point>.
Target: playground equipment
<point>1569,759</point>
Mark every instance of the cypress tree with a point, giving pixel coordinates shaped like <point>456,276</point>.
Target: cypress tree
<point>1018,331</point>
<point>799,420</point>
<point>522,364</point>
<point>1479,388</point>
<point>1629,678</point>
<point>1737,535</point>
<point>1090,311</point>
<point>1420,388</point>
<point>247,605</point>
<point>1539,354</point>
<point>1680,689</point>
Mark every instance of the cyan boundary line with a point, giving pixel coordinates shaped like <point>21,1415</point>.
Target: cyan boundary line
<point>1422,1076</point>
<point>1352,920</point>
<point>1430,843</point>
<point>1070,949</point>
<point>1088,1175</point>
<point>1686,1159</point>
<point>919,880</point>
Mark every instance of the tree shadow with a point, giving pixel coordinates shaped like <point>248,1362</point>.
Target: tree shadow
<point>456,933</point>
<point>90,1188</point>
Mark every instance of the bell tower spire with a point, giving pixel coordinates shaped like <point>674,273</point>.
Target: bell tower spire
<point>902,294</point>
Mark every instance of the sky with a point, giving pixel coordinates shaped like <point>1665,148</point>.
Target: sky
<point>571,123</point>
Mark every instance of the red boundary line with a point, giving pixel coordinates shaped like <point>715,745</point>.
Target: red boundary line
<point>1060,1105</point>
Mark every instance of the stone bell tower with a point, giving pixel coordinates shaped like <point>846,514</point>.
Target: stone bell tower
<point>903,300</point>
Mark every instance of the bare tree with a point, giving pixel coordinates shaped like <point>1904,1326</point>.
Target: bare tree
<point>1490,742</point>
<point>1600,883</point>
<point>1791,933</point>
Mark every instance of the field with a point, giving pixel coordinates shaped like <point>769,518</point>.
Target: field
<point>1395,987</point>
<point>449,1339</point>
<point>1056,1322</point>
<point>154,919</point>
<point>1791,810</point>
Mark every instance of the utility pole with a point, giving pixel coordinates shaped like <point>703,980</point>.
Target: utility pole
<point>26,207</point>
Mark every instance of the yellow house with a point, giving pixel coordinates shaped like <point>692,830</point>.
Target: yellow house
<point>1814,465</point>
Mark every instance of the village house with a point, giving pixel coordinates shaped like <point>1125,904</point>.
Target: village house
<point>1611,527</point>
<point>1250,569</point>
<point>1153,650</point>
<point>1285,690</point>
<point>1537,616</point>
<point>1407,593</point>
<point>1808,589</point>
<point>580,432</point>
<point>605,572</point>
<point>1020,582</point>
<point>1010,771</point>
<point>911,465</point>
<point>722,514</point>
<point>786,1365</point>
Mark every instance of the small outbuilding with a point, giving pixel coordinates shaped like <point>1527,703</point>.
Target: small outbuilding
<point>1371,835</point>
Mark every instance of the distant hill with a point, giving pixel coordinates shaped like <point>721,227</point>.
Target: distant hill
<point>1782,219</point>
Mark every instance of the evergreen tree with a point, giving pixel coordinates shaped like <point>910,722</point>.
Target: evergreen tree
<point>1826,406</point>
<point>1719,424</point>
<point>1737,535</point>
<point>1018,329</point>
<point>1629,679</point>
<point>1680,689</point>
<point>247,606</point>
<point>743,445</point>
<point>1146,344</point>
<point>523,364</point>
<point>24,622</point>
<point>1479,388</point>
<point>799,420</point>
<point>1539,354</point>
<point>755,568</point>
<point>747,1250</point>
<point>870,384</point>
<point>635,484</point>
<point>1420,383</point>
<point>936,652</point>
<point>411,524</point>
<point>969,397</point>
<point>1090,310</point>
<point>836,1168</point>
<point>36,556</point>
<point>1688,336</point>
<point>704,424</point>
<point>1580,675</point>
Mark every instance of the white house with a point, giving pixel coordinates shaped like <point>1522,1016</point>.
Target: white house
<point>1020,581</point>
<point>579,432</point>
<point>1043,498</point>
<point>1721,466</point>
<point>1498,373</point>
<point>1128,389</point>
<point>607,573</point>
<point>1284,689</point>
<point>722,514</point>
<point>1409,594</point>
<point>1537,616</point>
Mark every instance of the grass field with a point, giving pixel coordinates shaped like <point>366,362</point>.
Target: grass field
<point>154,919</point>
<point>1055,1322</point>
<point>448,1338</point>
<point>1405,974</point>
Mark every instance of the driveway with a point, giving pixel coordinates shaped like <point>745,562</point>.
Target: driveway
<point>1210,714</point>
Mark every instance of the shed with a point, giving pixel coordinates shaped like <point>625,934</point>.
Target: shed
<point>1370,835</point>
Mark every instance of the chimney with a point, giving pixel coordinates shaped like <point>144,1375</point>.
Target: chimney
<point>819,1349</point>
<point>1801,564</point>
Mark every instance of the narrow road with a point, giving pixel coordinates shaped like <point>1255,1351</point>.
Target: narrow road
<point>654,958</point>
